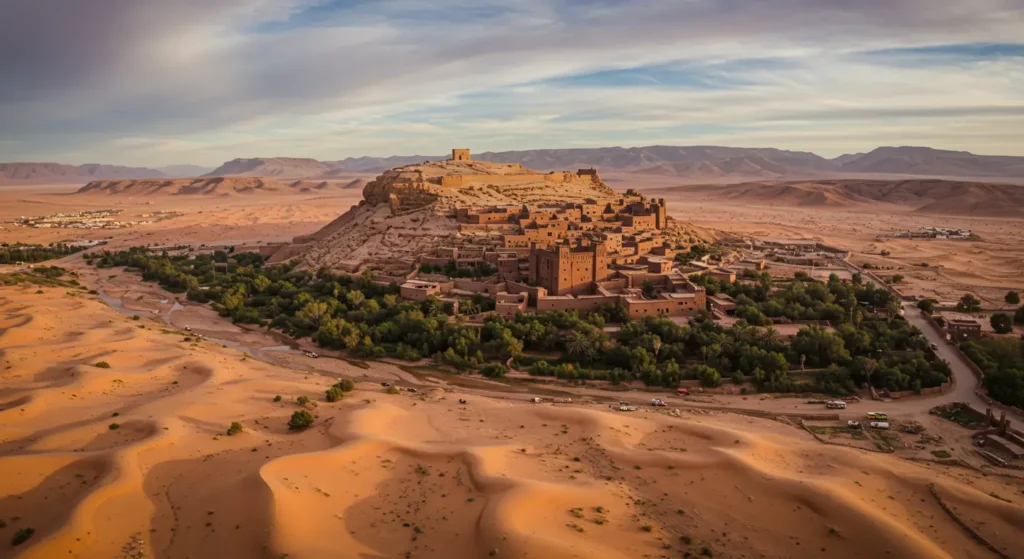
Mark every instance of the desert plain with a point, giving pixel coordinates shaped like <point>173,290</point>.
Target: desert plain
<point>419,473</point>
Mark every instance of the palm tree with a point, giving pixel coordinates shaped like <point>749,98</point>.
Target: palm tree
<point>577,344</point>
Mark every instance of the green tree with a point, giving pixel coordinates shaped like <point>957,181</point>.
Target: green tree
<point>1013,298</point>
<point>334,394</point>
<point>897,278</point>
<point>968,303</point>
<point>1001,323</point>
<point>235,428</point>
<point>927,306</point>
<point>314,313</point>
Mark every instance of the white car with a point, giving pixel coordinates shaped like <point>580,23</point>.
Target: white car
<point>626,408</point>
<point>879,424</point>
<point>658,402</point>
<point>852,424</point>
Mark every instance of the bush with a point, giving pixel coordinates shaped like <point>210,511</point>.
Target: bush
<point>345,385</point>
<point>302,400</point>
<point>1001,323</point>
<point>102,365</point>
<point>1012,298</point>
<point>235,428</point>
<point>277,398</point>
<point>968,303</point>
<point>114,426</point>
<point>21,536</point>
<point>392,390</point>
<point>493,370</point>
<point>300,420</point>
<point>136,317</point>
<point>926,306</point>
<point>334,394</point>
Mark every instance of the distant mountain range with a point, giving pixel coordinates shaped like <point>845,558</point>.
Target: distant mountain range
<point>29,173</point>
<point>926,196</point>
<point>693,163</point>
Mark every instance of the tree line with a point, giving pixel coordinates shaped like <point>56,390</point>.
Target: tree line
<point>367,319</point>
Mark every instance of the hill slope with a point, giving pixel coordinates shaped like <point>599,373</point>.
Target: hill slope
<point>933,196</point>
<point>408,211</point>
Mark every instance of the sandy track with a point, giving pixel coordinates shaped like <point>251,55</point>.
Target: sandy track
<point>384,476</point>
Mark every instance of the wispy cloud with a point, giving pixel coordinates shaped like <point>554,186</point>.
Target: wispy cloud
<point>206,80</point>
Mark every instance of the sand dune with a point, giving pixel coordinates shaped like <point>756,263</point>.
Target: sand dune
<point>421,476</point>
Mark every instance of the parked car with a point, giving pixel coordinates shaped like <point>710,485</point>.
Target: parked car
<point>657,402</point>
<point>879,424</point>
<point>626,408</point>
<point>934,347</point>
<point>853,424</point>
<point>835,405</point>
<point>462,400</point>
<point>411,390</point>
<point>563,400</point>
<point>311,354</point>
<point>877,415</point>
<point>683,392</point>
<point>536,400</point>
<point>385,384</point>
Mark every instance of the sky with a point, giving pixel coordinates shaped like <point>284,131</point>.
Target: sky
<point>161,82</point>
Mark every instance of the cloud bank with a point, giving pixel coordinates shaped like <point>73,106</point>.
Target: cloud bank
<point>202,81</point>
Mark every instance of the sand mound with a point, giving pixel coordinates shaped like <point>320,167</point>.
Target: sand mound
<point>417,475</point>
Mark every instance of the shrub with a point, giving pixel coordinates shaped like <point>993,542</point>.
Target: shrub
<point>1001,323</point>
<point>493,370</point>
<point>300,420</point>
<point>102,365</point>
<point>21,536</point>
<point>302,400</point>
<point>345,385</point>
<point>926,306</point>
<point>277,398</point>
<point>647,528</point>
<point>1012,298</point>
<point>334,394</point>
<point>235,428</point>
<point>136,317</point>
<point>968,303</point>
<point>392,390</point>
<point>114,426</point>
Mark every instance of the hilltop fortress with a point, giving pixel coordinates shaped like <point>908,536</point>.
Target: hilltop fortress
<point>459,228</point>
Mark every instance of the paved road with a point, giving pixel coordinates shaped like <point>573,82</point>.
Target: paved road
<point>965,381</point>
